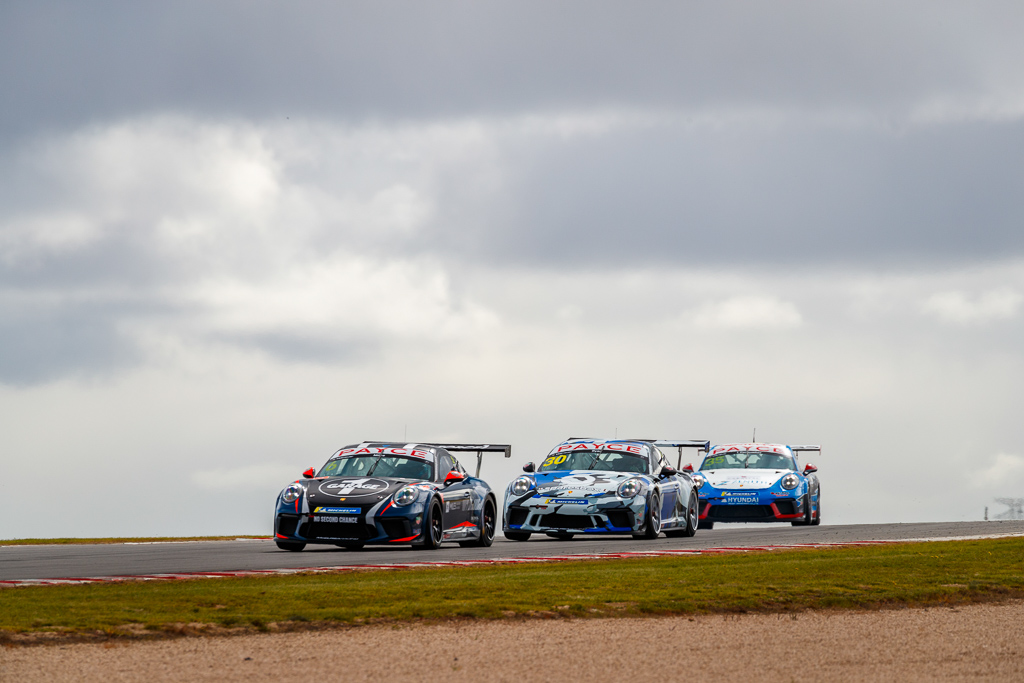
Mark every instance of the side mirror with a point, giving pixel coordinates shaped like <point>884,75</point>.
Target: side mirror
<point>454,477</point>
<point>310,473</point>
<point>668,471</point>
<point>528,467</point>
<point>688,468</point>
<point>808,468</point>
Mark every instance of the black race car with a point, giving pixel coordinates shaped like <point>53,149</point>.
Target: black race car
<point>389,493</point>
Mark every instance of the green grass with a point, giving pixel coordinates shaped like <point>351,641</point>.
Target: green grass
<point>141,539</point>
<point>858,577</point>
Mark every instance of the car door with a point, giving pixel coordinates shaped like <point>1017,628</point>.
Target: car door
<point>457,497</point>
<point>672,503</point>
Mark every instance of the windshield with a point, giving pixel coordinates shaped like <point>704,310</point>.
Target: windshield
<point>396,466</point>
<point>748,460</point>
<point>610,461</point>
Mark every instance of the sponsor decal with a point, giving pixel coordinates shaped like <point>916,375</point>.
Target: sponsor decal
<point>338,511</point>
<point>331,519</point>
<point>740,499</point>
<point>456,505</point>
<point>598,446</point>
<point>566,501</point>
<point>354,488</point>
<point>377,450</point>
<point>760,447</point>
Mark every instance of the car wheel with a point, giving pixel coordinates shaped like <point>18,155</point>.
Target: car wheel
<point>692,512</point>
<point>433,529</point>
<point>705,524</point>
<point>817,515</point>
<point>652,518</point>
<point>517,535</point>
<point>486,527</point>
<point>294,547</point>
<point>807,512</point>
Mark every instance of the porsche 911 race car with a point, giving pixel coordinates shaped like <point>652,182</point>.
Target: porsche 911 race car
<point>757,482</point>
<point>588,486</point>
<point>389,493</point>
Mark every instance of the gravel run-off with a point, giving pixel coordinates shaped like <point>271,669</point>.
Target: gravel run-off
<point>981,642</point>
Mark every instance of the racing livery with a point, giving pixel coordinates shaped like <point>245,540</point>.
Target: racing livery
<point>588,486</point>
<point>389,493</point>
<point>757,482</point>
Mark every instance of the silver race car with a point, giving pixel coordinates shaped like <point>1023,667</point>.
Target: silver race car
<point>588,486</point>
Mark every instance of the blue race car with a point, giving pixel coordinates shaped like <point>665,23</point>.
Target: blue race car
<point>389,493</point>
<point>757,482</point>
<point>588,486</point>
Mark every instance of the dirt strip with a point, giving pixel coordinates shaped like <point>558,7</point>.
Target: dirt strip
<point>980,642</point>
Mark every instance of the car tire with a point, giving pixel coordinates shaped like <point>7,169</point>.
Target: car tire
<point>691,522</point>
<point>652,518</point>
<point>692,513</point>
<point>517,535</point>
<point>294,547</point>
<point>705,524</point>
<point>487,523</point>
<point>807,513</point>
<point>433,529</point>
<point>817,516</point>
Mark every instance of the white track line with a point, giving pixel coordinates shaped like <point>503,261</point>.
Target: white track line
<point>471,563</point>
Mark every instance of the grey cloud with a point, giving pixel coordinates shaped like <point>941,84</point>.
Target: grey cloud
<point>65,63</point>
<point>791,195</point>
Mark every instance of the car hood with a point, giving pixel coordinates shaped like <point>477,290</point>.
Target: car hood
<point>353,490</point>
<point>743,479</point>
<point>581,483</point>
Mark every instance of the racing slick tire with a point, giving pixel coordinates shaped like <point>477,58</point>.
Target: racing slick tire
<point>652,518</point>
<point>807,513</point>
<point>705,524</point>
<point>294,547</point>
<point>691,520</point>
<point>487,517</point>
<point>517,535</point>
<point>433,529</point>
<point>817,516</point>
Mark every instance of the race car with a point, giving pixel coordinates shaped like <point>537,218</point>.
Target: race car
<point>757,482</point>
<point>389,493</point>
<point>588,486</point>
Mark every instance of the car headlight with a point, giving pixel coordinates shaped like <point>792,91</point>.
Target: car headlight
<point>629,488</point>
<point>522,485</point>
<point>405,495</point>
<point>790,481</point>
<point>698,481</point>
<point>292,493</point>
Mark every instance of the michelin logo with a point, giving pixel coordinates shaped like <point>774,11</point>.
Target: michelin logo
<point>338,511</point>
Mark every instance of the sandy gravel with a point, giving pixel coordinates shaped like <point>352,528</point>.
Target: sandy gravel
<point>983,642</point>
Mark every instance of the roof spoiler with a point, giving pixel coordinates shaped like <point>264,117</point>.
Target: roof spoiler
<point>805,448</point>
<point>479,449</point>
<point>692,443</point>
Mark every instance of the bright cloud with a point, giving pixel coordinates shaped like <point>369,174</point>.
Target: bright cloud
<point>748,312</point>
<point>957,307</point>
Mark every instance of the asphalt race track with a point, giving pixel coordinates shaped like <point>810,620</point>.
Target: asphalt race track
<point>82,561</point>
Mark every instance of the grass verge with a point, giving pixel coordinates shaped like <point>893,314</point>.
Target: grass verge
<point>912,574</point>
<point>141,539</point>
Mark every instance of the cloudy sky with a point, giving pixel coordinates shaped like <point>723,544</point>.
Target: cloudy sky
<point>235,236</point>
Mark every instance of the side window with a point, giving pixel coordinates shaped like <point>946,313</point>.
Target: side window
<point>444,465</point>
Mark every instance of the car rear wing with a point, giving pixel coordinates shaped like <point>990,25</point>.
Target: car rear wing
<point>692,443</point>
<point>479,449</point>
<point>805,448</point>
